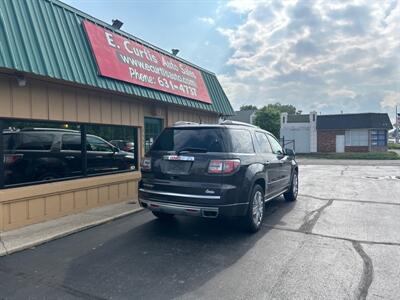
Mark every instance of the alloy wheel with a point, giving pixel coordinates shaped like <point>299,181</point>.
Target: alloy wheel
<point>295,184</point>
<point>258,208</point>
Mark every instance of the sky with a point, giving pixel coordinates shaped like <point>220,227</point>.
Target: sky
<point>325,56</point>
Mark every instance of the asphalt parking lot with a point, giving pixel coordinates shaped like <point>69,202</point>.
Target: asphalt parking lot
<point>340,240</point>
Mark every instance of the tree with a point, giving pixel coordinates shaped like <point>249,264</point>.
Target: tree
<point>268,118</point>
<point>288,108</point>
<point>248,107</point>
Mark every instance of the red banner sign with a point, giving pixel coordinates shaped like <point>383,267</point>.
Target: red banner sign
<point>124,59</point>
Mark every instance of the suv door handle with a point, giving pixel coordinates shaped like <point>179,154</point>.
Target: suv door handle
<point>99,156</point>
<point>70,157</point>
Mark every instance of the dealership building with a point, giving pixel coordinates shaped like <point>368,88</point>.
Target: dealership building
<point>74,91</point>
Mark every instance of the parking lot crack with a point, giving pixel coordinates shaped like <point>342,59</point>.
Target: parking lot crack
<point>344,170</point>
<point>368,272</point>
<point>312,217</point>
<point>383,243</point>
<point>350,200</point>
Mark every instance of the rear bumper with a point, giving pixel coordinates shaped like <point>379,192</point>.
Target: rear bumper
<point>179,209</point>
<point>193,207</point>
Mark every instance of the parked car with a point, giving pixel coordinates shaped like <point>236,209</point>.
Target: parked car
<point>127,146</point>
<point>42,154</point>
<point>230,169</point>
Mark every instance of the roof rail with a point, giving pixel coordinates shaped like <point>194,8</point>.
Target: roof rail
<point>49,129</point>
<point>230,122</point>
<point>183,123</point>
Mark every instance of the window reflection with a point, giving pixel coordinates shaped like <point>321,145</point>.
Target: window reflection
<point>44,151</point>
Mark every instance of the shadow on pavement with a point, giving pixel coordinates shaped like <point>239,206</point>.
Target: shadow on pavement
<point>134,257</point>
<point>165,259</point>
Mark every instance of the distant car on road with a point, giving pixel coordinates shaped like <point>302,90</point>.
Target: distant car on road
<point>230,169</point>
<point>43,154</point>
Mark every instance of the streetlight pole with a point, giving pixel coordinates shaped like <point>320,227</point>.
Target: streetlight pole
<point>397,125</point>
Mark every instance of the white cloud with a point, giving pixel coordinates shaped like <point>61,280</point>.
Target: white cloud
<point>328,55</point>
<point>242,6</point>
<point>207,20</point>
<point>390,100</point>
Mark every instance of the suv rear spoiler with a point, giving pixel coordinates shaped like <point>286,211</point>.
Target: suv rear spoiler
<point>230,122</point>
<point>183,123</point>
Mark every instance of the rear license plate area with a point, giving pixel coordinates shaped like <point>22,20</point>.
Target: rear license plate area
<point>176,167</point>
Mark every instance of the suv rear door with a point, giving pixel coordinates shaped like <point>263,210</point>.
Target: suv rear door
<point>180,159</point>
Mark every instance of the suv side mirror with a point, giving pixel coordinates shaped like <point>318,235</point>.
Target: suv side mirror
<point>290,152</point>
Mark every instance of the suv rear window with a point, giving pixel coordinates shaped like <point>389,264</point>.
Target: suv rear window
<point>7,140</point>
<point>175,139</point>
<point>28,141</point>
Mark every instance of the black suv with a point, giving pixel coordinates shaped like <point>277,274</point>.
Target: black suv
<point>230,169</point>
<point>42,154</point>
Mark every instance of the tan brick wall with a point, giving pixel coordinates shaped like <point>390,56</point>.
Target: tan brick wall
<point>37,203</point>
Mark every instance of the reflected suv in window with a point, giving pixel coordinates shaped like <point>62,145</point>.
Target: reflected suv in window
<point>230,169</point>
<point>43,154</point>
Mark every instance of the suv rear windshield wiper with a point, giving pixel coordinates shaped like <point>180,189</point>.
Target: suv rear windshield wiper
<point>190,149</point>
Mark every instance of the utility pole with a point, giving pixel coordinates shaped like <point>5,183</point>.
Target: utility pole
<point>397,125</point>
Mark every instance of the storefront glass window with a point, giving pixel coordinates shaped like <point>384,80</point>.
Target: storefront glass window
<point>110,148</point>
<point>33,152</point>
<point>152,129</point>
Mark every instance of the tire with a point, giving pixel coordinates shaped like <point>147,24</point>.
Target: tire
<point>291,194</point>
<point>255,213</point>
<point>162,216</point>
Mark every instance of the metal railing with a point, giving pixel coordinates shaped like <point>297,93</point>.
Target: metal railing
<point>290,144</point>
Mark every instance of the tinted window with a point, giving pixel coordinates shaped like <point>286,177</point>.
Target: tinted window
<point>175,139</point>
<point>96,144</point>
<point>29,159</point>
<point>71,142</point>
<point>8,140</point>
<point>152,129</point>
<point>276,147</point>
<point>263,143</point>
<point>241,141</point>
<point>34,141</point>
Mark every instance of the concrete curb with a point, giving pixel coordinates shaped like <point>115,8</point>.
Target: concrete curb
<point>9,250</point>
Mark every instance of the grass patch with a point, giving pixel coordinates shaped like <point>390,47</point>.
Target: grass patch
<point>394,146</point>
<point>353,155</point>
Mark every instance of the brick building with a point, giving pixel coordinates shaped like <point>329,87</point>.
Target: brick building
<point>364,132</point>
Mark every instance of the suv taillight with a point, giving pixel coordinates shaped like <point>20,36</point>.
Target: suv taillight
<point>146,164</point>
<point>226,166</point>
<point>12,158</point>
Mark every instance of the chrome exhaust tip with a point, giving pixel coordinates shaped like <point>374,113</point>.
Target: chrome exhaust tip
<point>209,213</point>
